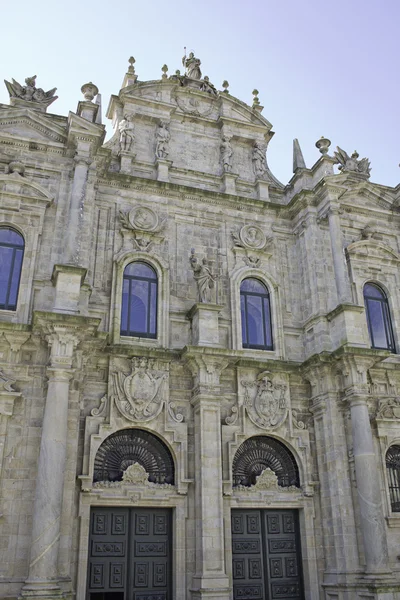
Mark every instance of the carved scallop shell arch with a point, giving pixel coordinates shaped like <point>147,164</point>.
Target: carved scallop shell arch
<point>127,447</point>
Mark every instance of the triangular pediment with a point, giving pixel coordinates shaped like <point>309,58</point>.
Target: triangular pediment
<point>31,125</point>
<point>372,250</point>
<point>364,194</point>
<point>17,184</point>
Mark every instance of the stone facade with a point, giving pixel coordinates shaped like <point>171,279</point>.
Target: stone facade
<point>183,186</point>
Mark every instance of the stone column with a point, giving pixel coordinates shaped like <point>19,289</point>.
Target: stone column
<point>210,579</point>
<point>354,371</point>
<point>76,209</point>
<point>368,490</point>
<point>341,275</point>
<point>42,580</point>
<point>338,520</point>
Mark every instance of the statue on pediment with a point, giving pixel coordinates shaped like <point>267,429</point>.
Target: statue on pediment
<point>259,164</point>
<point>203,276</point>
<point>29,92</point>
<point>351,163</point>
<point>192,66</point>
<point>162,140</point>
<point>126,135</point>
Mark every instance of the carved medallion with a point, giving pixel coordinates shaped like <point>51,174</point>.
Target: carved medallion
<point>140,395</point>
<point>253,237</point>
<point>266,401</point>
<point>143,218</point>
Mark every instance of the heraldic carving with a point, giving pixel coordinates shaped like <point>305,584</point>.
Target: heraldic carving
<point>140,394</point>
<point>389,409</point>
<point>266,401</point>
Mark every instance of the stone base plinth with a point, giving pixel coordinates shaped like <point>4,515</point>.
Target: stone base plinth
<point>163,166</point>
<point>204,318</point>
<point>68,281</point>
<point>229,183</point>
<point>212,588</point>
<point>41,590</point>
<point>262,189</point>
<point>127,159</point>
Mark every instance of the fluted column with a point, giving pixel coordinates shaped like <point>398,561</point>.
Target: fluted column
<point>210,579</point>
<point>341,274</point>
<point>42,580</point>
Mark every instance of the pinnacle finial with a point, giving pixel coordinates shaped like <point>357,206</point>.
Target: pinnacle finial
<point>164,70</point>
<point>225,85</point>
<point>298,159</point>
<point>256,100</point>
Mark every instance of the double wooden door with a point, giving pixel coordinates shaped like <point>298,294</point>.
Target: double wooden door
<point>130,554</point>
<point>266,555</point>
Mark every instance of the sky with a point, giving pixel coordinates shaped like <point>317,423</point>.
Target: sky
<point>321,68</point>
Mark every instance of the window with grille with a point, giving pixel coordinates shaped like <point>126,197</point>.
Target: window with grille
<point>393,475</point>
<point>256,315</point>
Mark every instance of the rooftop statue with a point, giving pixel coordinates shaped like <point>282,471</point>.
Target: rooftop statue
<point>30,92</point>
<point>351,163</point>
<point>192,66</point>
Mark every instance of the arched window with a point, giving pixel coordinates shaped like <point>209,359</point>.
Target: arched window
<point>139,301</point>
<point>259,453</point>
<point>256,315</point>
<point>393,475</point>
<point>11,255</point>
<point>129,446</point>
<point>378,318</point>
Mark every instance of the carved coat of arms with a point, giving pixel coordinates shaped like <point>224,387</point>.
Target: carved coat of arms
<point>266,401</point>
<point>140,394</point>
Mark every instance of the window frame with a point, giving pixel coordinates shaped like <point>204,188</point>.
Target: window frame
<point>389,479</point>
<point>150,281</point>
<point>246,294</point>
<point>387,320</point>
<point>11,274</point>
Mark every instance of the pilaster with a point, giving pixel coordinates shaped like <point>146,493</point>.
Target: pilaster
<point>210,579</point>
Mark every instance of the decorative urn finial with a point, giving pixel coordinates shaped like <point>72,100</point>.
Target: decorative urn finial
<point>89,91</point>
<point>225,85</point>
<point>323,145</point>
<point>164,70</point>
<point>131,68</point>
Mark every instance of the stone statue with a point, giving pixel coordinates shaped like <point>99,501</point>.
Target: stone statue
<point>203,277</point>
<point>192,65</point>
<point>351,163</point>
<point>226,154</point>
<point>30,92</point>
<point>259,165</point>
<point>162,136</point>
<point>126,135</point>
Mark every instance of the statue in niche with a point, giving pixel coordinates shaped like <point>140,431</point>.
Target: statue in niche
<point>126,135</point>
<point>203,276</point>
<point>30,92</point>
<point>162,140</point>
<point>192,66</point>
<point>226,154</point>
<point>259,164</point>
<point>351,163</point>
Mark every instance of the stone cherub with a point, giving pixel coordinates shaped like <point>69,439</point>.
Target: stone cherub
<point>351,163</point>
<point>126,135</point>
<point>203,276</point>
<point>162,140</point>
<point>30,92</point>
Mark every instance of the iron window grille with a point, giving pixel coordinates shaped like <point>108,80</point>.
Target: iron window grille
<point>124,448</point>
<point>393,475</point>
<point>256,315</point>
<point>378,318</point>
<point>259,453</point>
<point>11,255</point>
<point>139,301</point>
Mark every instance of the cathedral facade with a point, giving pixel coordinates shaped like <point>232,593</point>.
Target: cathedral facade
<point>199,390</point>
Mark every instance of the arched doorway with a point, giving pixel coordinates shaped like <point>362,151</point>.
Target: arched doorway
<point>266,556</point>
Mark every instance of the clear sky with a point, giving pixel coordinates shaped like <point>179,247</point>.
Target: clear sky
<point>322,68</point>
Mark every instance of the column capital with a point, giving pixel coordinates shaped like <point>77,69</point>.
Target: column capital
<point>206,370</point>
<point>353,365</point>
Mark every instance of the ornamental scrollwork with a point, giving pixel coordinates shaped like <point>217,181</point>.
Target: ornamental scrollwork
<point>266,401</point>
<point>140,394</point>
<point>145,225</point>
<point>267,481</point>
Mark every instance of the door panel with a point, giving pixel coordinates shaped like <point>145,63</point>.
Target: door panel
<point>130,554</point>
<point>266,555</point>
